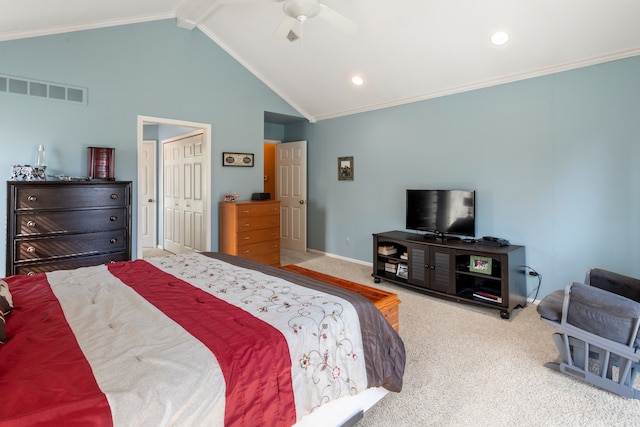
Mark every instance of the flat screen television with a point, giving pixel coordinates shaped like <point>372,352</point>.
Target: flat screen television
<point>442,212</point>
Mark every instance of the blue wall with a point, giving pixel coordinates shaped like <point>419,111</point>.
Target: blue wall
<point>153,69</point>
<point>554,161</point>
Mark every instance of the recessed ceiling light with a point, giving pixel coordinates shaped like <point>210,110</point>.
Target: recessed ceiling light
<point>357,80</point>
<point>499,38</point>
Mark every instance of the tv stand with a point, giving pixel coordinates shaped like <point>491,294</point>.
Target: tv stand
<point>453,269</point>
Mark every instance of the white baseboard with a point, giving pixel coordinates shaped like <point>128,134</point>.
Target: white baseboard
<point>330,255</point>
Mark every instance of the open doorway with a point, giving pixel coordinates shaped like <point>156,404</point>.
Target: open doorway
<point>166,128</point>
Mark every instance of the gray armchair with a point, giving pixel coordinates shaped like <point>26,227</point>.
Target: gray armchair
<point>597,324</point>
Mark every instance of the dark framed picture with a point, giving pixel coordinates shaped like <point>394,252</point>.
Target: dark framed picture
<point>237,159</point>
<point>345,168</point>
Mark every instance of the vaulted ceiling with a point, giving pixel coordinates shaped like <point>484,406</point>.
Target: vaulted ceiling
<point>404,50</point>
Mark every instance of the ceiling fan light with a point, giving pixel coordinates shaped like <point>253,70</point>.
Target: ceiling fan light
<point>357,80</point>
<point>499,38</point>
<point>301,9</point>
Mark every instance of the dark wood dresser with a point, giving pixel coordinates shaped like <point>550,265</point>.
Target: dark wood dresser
<point>54,225</point>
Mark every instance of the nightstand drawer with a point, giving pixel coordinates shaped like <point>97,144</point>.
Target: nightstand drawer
<point>67,222</point>
<point>70,245</point>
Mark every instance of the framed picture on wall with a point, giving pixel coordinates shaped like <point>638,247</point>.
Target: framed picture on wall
<point>237,159</point>
<point>345,168</point>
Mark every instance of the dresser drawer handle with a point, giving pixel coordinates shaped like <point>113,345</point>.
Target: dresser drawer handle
<point>31,223</point>
<point>246,238</point>
<point>32,198</point>
<point>246,211</point>
<point>246,252</point>
<point>113,240</point>
<point>113,218</point>
<point>114,196</point>
<point>31,249</point>
<point>31,273</point>
<point>246,225</point>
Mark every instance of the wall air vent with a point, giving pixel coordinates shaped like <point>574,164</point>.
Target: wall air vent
<point>43,90</point>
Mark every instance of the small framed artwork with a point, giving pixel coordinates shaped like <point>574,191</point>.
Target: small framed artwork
<point>480,264</point>
<point>345,168</point>
<point>403,271</point>
<point>237,159</point>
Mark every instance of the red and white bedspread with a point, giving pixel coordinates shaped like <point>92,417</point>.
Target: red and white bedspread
<point>187,340</point>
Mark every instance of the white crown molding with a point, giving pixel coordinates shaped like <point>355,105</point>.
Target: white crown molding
<point>15,35</point>
<point>185,15</point>
<point>568,66</point>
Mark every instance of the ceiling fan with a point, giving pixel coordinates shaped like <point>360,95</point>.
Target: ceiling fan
<point>301,11</point>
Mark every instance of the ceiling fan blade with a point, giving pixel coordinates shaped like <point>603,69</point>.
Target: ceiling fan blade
<point>286,24</point>
<point>337,20</point>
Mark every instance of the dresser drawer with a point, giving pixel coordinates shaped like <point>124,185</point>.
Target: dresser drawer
<point>257,209</point>
<point>84,221</point>
<point>250,237</point>
<point>259,248</point>
<point>70,245</point>
<point>269,258</point>
<point>32,267</point>
<point>70,196</point>
<point>257,223</point>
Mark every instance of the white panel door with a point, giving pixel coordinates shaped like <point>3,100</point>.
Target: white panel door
<point>291,190</point>
<point>184,228</point>
<point>148,193</point>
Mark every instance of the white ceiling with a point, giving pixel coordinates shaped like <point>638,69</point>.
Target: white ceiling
<point>405,50</point>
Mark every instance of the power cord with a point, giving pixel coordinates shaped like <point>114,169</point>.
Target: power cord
<point>534,273</point>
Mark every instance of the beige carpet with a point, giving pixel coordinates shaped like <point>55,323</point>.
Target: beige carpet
<point>468,367</point>
<point>154,252</point>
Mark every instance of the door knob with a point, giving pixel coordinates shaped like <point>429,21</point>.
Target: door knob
<point>302,202</point>
<point>150,200</point>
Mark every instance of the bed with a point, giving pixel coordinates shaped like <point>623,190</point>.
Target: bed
<point>192,339</point>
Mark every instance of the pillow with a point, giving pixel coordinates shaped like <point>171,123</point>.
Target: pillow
<point>6,302</point>
<point>3,335</point>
